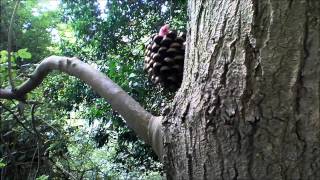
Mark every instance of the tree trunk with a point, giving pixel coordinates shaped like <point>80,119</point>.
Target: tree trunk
<point>249,104</point>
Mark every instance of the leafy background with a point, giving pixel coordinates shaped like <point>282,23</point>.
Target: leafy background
<point>65,130</point>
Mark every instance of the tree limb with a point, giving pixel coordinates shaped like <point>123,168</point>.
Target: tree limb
<point>145,125</point>
<point>9,45</point>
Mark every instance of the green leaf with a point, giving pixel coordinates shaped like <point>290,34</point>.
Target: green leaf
<point>24,54</point>
<point>43,177</point>
<point>13,58</point>
<point>3,53</point>
<point>2,164</point>
<point>132,75</point>
<point>3,56</point>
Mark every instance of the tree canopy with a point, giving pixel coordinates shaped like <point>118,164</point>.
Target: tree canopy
<point>63,129</point>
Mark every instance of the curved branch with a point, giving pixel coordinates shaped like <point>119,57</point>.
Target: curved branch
<point>145,125</point>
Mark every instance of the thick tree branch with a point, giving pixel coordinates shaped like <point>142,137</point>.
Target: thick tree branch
<point>145,125</point>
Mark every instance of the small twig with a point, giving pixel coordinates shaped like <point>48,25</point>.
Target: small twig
<point>16,118</point>
<point>38,136</point>
<point>8,151</point>
<point>62,170</point>
<point>38,166</point>
<point>33,120</point>
<point>171,11</point>
<point>34,155</point>
<point>9,45</point>
<point>1,137</point>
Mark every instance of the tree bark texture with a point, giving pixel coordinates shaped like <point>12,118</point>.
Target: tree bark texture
<point>249,104</point>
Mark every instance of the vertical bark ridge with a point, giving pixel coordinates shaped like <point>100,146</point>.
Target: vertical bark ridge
<point>248,107</point>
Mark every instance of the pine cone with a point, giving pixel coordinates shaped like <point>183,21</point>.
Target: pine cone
<point>164,59</point>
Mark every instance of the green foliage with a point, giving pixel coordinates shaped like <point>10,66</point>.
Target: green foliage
<point>25,137</point>
<point>43,177</point>
<point>78,132</point>
<point>21,54</point>
<point>31,29</point>
<point>3,56</point>
<point>114,41</point>
<point>24,54</point>
<point>2,163</point>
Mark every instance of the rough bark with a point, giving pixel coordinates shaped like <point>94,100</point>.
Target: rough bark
<point>249,104</point>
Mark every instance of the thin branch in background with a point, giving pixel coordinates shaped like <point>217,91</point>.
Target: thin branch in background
<point>60,168</point>
<point>38,136</point>
<point>33,120</point>
<point>16,118</point>
<point>38,166</point>
<point>34,155</point>
<point>2,142</point>
<point>10,45</point>
<point>171,11</point>
<point>9,154</point>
